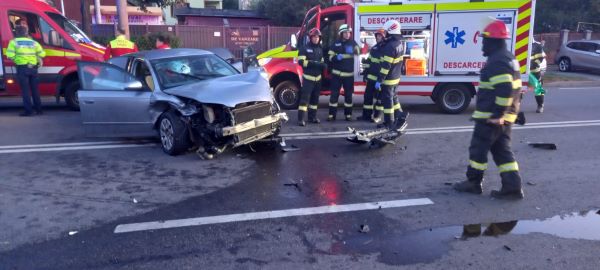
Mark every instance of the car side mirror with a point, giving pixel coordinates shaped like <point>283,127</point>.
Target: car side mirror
<point>294,41</point>
<point>134,86</point>
<point>54,39</point>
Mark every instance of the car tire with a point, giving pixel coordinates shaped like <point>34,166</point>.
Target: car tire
<point>453,98</point>
<point>287,95</point>
<point>71,95</point>
<point>564,65</point>
<point>173,134</point>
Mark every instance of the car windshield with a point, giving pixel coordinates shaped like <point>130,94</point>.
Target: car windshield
<point>177,71</point>
<point>76,33</point>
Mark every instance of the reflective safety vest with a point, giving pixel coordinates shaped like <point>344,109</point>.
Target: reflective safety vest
<point>119,46</point>
<point>391,62</point>
<point>24,51</point>
<point>499,88</point>
<point>537,57</point>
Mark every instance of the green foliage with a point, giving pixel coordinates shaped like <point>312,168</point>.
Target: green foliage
<point>231,4</point>
<point>554,15</point>
<point>285,12</point>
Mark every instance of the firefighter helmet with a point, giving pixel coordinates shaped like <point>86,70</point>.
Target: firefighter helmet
<point>380,32</point>
<point>497,30</point>
<point>344,28</point>
<point>392,27</point>
<point>314,32</point>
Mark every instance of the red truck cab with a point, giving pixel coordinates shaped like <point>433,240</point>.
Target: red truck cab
<point>62,41</point>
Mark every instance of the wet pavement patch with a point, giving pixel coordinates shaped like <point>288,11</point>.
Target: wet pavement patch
<point>428,245</point>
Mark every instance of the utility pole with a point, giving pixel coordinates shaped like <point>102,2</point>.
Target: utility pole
<point>97,11</point>
<point>85,16</point>
<point>123,18</point>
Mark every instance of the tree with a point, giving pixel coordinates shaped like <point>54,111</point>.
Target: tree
<point>554,15</point>
<point>285,12</point>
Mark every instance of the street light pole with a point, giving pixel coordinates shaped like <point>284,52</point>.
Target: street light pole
<point>122,14</point>
<point>97,11</point>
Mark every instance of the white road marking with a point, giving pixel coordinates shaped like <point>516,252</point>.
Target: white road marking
<point>63,144</point>
<point>329,209</point>
<point>72,148</point>
<point>579,88</point>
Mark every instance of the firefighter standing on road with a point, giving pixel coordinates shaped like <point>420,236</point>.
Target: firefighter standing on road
<point>311,59</point>
<point>27,55</point>
<point>341,55</point>
<point>372,108</point>
<point>537,57</point>
<point>389,76</point>
<point>498,102</point>
<point>119,46</point>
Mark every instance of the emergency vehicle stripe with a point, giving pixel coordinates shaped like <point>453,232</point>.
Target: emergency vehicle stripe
<point>93,48</point>
<point>522,35</point>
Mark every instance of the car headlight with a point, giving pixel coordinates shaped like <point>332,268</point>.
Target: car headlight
<point>263,73</point>
<point>263,61</point>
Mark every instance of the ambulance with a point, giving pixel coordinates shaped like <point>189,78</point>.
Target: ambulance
<point>442,47</point>
<point>63,42</point>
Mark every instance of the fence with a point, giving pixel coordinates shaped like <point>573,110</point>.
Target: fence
<point>260,38</point>
<point>552,42</point>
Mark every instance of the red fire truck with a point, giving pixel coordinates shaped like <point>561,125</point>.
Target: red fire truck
<point>441,40</point>
<point>63,42</point>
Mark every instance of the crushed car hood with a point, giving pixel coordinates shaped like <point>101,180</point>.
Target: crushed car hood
<point>228,91</point>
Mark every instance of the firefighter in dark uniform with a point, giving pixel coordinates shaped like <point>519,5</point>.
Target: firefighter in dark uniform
<point>27,55</point>
<point>341,55</point>
<point>498,102</point>
<point>389,76</point>
<point>537,57</point>
<point>372,108</point>
<point>311,59</point>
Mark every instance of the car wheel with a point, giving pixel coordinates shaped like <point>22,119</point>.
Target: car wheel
<point>454,98</point>
<point>71,95</point>
<point>173,134</point>
<point>287,95</point>
<point>564,64</point>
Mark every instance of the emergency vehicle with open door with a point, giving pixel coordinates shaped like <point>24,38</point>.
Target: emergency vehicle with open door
<point>63,42</point>
<point>442,47</point>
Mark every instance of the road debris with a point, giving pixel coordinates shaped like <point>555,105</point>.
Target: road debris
<point>73,232</point>
<point>531,183</point>
<point>547,146</point>
<point>448,183</point>
<point>507,248</point>
<point>135,201</point>
<point>364,228</point>
<point>294,184</point>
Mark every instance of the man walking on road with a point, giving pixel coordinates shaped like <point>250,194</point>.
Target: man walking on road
<point>119,46</point>
<point>27,55</point>
<point>498,102</point>
<point>537,57</point>
<point>341,55</point>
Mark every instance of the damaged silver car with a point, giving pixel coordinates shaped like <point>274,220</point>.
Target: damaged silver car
<point>192,98</point>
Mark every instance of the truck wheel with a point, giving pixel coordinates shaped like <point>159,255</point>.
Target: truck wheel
<point>71,95</point>
<point>173,134</point>
<point>564,65</point>
<point>287,94</point>
<point>453,98</point>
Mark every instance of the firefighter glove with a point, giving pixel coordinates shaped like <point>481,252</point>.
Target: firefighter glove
<point>378,85</point>
<point>339,57</point>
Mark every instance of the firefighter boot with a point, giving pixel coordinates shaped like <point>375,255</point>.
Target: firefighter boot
<point>377,116</point>
<point>401,123</point>
<point>312,117</point>
<point>511,187</point>
<point>301,116</point>
<point>473,184</point>
<point>366,115</point>
<point>540,104</point>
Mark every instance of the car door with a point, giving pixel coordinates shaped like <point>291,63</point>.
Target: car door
<point>594,58</point>
<point>113,102</point>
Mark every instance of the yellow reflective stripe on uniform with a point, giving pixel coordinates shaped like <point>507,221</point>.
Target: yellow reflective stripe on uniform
<point>342,74</point>
<point>391,60</point>
<point>504,101</point>
<point>481,115</point>
<point>504,78</point>
<point>372,77</point>
<point>379,108</point>
<point>348,105</point>
<point>303,108</point>
<point>536,56</point>
<point>486,85</point>
<point>368,107</point>
<point>347,56</point>
<point>302,57</point>
<point>366,66</point>
<point>385,71</point>
<point>478,166</point>
<point>313,107</point>
<point>374,60</point>
<point>509,117</point>
<point>311,78</point>
<point>333,105</point>
<point>397,106</point>
<point>509,167</point>
<point>388,111</point>
<point>517,84</point>
<point>391,82</point>
<point>304,62</point>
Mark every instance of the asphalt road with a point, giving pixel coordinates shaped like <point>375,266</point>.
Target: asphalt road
<point>329,205</point>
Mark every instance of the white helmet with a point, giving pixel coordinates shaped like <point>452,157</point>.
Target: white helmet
<point>344,28</point>
<point>392,27</point>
